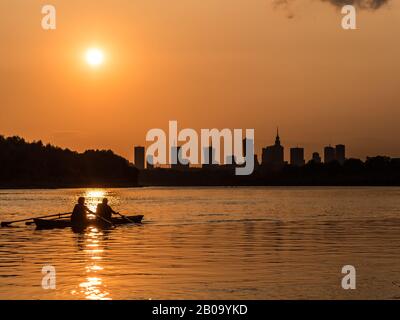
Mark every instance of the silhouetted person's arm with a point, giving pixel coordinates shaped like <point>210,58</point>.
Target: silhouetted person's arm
<point>112,211</point>
<point>90,211</point>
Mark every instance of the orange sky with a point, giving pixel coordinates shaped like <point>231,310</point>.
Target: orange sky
<point>204,63</point>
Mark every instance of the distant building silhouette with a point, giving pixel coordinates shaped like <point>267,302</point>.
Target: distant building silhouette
<point>316,158</point>
<point>209,157</point>
<point>244,146</point>
<point>181,163</point>
<point>329,154</point>
<point>340,153</point>
<point>246,143</point>
<point>174,157</point>
<point>337,153</point>
<point>273,156</point>
<point>149,162</point>
<point>139,157</point>
<point>256,162</point>
<point>230,159</point>
<point>297,157</point>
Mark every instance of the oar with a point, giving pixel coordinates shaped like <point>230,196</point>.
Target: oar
<point>28,223</point>
<point>125,217</point>
<point>104,219</point>
<point>7,223</point>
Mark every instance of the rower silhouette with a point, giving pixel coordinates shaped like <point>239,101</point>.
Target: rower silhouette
<point>78,217</point>
<point>104,210</point>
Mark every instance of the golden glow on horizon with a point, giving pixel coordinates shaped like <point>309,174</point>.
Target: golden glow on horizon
<point>94,57</point>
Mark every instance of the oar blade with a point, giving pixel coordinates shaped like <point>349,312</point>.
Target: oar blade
<point>5,224</point>
<point>125,217</point>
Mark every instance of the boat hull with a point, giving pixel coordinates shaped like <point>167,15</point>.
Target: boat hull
<point>66,223</point>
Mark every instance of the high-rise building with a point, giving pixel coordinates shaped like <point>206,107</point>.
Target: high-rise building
<point>263,156</point>
<point>209,157</point>
<point>181,163</point>
<point>273,156</point>
<point>329,154</point>
<point>316,158</point>
<point>247,143</point>
<point>149,162</point>
<point>297,157</point>
<point>230,159</point>
<point>139,157</point>
<point>340,152</point>
<point>256,163</point>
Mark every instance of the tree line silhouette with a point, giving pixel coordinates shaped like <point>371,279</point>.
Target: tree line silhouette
<point>33,164</point>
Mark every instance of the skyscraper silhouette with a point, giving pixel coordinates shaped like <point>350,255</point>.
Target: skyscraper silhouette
<point>329,154</point>
<point>273,156</point>
<point>149,162</point>
<point>340,152</point>
<point>139,157</point>
<point>209,157</point>
<point>181,163</point>
<point>297,157</point>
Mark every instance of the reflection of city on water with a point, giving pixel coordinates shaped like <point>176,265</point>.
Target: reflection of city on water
<point>91,242</point>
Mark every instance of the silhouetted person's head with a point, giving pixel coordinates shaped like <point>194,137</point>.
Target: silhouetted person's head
<point>81,200</point>
<point>105,201</point>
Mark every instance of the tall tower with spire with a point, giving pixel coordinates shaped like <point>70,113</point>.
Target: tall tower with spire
<point>277,139</point>
<point>273,156</point>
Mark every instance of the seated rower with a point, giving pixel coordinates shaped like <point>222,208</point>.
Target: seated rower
<point>104,210</point>
<point>78,217</point>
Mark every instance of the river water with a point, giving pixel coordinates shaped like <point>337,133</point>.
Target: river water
<point>207,243</point>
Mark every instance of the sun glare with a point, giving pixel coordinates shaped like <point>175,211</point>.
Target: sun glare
<point>94,57</point>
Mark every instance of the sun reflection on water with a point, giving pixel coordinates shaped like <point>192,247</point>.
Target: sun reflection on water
<point>95,193</point>
<point>93,287</point>
<point>93,198</point>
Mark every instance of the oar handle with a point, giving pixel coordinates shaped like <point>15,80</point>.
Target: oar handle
<point>125,217</point>
<point>7,223</point>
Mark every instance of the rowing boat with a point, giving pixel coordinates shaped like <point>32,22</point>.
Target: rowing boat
<point>66,223</point>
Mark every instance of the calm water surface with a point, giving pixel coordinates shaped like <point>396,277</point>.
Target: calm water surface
<point>214,243</point>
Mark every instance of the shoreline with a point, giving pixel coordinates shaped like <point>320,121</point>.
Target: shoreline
<point>193,186</point>
<point>77,186</point>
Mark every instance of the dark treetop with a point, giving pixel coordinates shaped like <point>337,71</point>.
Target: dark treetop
<point>31,165</point>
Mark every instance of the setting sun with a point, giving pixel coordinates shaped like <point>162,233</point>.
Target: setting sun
<point>94,57</point>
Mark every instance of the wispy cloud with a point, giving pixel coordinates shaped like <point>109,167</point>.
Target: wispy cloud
<point>361,4</point>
